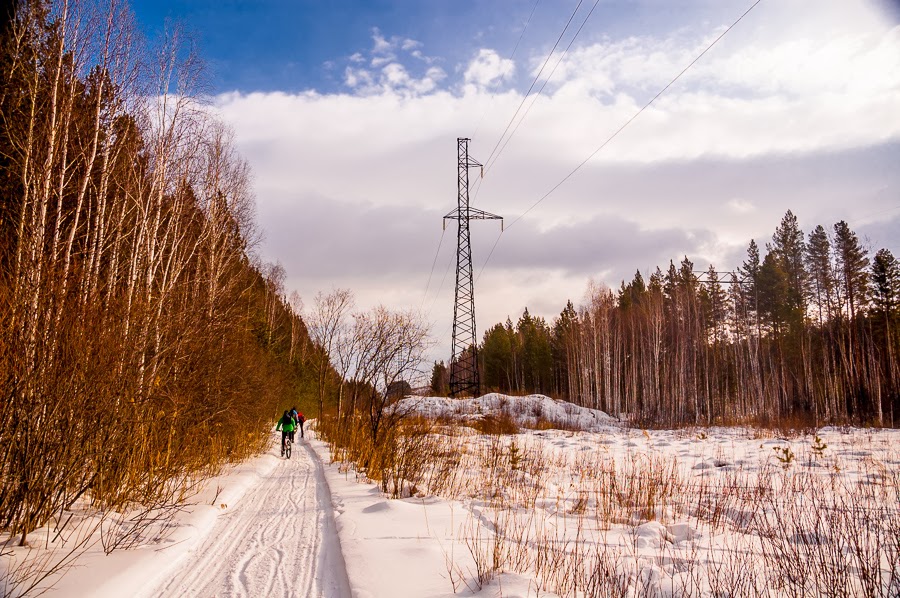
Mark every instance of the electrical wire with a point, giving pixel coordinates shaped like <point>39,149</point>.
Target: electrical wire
<point>619,130</point>
<point>534,82</point>
<point>441,287</point>
<point>490,164</point>
<point>867,216</point>
<point>433,263</point>
<point>511,56</point>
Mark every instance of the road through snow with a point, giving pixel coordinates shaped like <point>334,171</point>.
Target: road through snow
<point>280,540</point>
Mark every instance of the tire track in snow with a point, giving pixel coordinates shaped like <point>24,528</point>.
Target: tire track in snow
<point>271,543</point>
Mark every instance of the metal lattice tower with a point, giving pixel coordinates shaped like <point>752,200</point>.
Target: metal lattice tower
<point>464,361</point>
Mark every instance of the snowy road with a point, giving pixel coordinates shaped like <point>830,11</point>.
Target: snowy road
<point>280,540</point>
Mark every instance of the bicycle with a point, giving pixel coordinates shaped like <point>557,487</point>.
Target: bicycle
<point>286,447</point>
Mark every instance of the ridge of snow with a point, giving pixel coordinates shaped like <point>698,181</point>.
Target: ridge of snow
<point>527,411</point>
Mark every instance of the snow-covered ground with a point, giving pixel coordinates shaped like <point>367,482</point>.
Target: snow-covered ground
<point>539,513</point>
<point>532,411</point>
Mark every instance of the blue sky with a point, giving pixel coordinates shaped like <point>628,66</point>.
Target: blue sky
<point>348,114</point>
<point>297,45</point>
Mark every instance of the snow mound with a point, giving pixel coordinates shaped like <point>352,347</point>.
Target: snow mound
<point>532,411</point>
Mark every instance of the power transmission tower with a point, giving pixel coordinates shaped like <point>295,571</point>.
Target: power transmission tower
<point>464,363</point>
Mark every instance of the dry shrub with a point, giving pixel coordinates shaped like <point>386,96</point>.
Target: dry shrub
<point>496,423</point>
<point>547,513</point>
<point>544,424</point>
<point>408,456</point>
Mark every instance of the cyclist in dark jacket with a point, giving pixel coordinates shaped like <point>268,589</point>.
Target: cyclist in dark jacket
<point>286,425</point>
<point>294,415</point>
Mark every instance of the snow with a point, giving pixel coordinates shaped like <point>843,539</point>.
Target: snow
<point>528,411</point>
<point>310,527</point>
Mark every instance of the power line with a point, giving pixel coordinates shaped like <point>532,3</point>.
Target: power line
<point>433,263</point>
<point>441,286</point>
<point>867,216</point>
<point>533,83</point>
<point>636,114</point>
<point>511,56</point>
<point>490,164</point>
<point>619,130</point>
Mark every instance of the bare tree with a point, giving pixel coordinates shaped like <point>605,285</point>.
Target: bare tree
<point>327,326</point>
<point>390,348</point>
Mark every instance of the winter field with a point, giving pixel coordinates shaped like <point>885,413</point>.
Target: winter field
<point>473,507</point>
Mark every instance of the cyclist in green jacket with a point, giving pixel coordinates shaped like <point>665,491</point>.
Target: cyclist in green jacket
<point>286,425</point>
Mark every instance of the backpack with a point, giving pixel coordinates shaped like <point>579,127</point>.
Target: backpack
<point>300,418</point>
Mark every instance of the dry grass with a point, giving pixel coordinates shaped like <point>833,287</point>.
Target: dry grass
<point>591,522</point>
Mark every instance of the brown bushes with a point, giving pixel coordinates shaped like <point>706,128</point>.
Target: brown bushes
<point>140,347</point>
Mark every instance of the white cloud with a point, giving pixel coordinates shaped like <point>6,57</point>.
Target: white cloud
<point>488,68</point>
<point>388,74</point>
<point>741,206</point>
<point>357,78</point>
<point>381,45</point>
<point>410,44</point>
<point>353,186</point>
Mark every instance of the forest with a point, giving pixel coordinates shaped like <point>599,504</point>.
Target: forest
<point>806,333</point>
<point>142,343</point>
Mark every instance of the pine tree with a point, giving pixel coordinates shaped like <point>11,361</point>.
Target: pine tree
<point>773,291</point>
<point>885,289</point>
<point>852,262</point>
<point>714,301</point>
<point>749,273</point>
<point>821,276</point>
<point>789,249</point>
<point>497,360</point>
<point>885,283</point>
<point>440,379</point>
<point>565,331</point>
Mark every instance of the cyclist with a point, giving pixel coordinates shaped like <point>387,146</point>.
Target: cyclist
<point>294,416</point>
<point>300,421</point>
<point>286,425</point>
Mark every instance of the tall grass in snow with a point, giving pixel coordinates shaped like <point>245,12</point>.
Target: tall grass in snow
<point>601,521</point>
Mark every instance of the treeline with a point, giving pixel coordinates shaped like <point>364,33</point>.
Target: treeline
<point>141,345</point>
<point>808,331</point>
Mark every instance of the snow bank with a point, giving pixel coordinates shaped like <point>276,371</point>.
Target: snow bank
<point>532,411</point>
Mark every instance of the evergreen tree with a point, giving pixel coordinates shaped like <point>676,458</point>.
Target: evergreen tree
<point>773,292</point>
<point>440,379</point>
<point>565,330</point>
<point>885,283</point>
<point>632,293</point>
<point>852,262</point>
<point>885,289</point>
<point>656,282</point>
<point>497,359</point>
<point>714,302</point>
<point>821,276</point>
<point>749,272</point>
<point>537,356</point>
<point>789,249</point>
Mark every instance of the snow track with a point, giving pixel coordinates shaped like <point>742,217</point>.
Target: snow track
<point>280,540</point>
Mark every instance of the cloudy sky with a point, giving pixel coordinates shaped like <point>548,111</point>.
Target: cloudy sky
<point>349,113</point>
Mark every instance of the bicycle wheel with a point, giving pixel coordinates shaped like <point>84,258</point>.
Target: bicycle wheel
<point>287,448</point>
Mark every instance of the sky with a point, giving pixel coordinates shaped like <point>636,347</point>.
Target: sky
<point>349,112</point>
